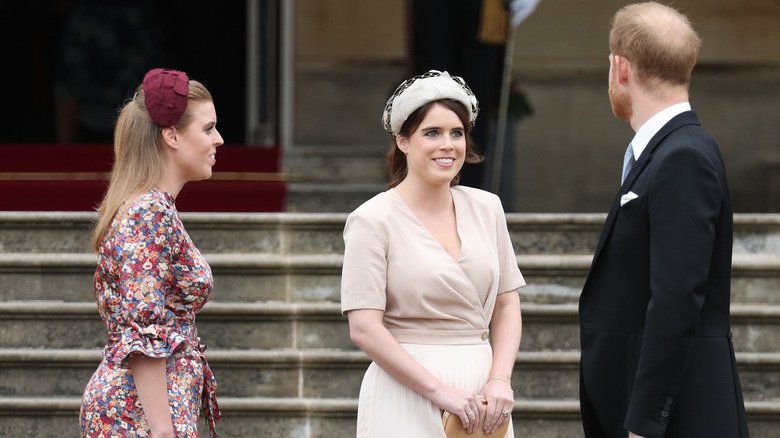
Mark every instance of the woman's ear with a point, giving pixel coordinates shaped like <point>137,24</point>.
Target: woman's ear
<point>402,143</point>
<point>171,137</point>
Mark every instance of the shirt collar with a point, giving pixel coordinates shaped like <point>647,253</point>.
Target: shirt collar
<point>654,124</point>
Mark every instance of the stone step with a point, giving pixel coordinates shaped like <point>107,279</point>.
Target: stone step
<point>321,233</point>
<point>49,417</point>
<point>338,180</point>
<point>279,325</point>
<point>314,278</point>
<point>264,233</point>
<point>325,373</point>
<point>353,163</point>
<point>277,417</point>
<point>330,197</point>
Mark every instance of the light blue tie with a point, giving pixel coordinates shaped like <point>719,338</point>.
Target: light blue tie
<point>627,159</point>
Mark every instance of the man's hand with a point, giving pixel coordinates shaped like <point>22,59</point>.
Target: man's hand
<point>633,435</point>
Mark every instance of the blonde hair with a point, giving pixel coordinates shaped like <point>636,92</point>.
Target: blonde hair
<point>657,40</point>
<point>138,155</point>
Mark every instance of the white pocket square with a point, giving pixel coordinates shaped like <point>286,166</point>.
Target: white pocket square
<point>628,197</point>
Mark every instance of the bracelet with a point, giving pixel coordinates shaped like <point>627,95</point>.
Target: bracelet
<point>503,380</point>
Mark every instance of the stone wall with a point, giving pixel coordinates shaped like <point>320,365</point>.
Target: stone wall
<point>350,54</point>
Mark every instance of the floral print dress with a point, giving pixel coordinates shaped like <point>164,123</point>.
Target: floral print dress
<point>149,284</point>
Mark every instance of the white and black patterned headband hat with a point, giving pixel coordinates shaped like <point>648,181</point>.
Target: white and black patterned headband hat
<point>428,87</point>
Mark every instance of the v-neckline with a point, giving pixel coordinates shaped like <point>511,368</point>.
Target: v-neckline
<point>429,233</point>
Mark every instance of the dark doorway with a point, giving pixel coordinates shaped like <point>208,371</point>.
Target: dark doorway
<point>95,52</point>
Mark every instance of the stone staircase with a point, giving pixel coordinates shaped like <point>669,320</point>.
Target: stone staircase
<point>334,178</point>
<point>279,347</point>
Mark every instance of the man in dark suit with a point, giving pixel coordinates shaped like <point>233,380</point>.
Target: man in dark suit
<point>657,356</point>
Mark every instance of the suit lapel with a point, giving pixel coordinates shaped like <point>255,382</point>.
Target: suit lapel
<point>682,119</point>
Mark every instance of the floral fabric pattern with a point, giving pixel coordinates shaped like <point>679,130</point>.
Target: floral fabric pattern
<point>150,283</point>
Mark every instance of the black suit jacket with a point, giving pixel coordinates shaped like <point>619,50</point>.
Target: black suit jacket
<point>657,357</point>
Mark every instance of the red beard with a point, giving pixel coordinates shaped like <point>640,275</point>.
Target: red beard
<point>621,103</point>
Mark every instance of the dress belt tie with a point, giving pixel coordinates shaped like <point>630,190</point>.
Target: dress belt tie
<point>209,396</point>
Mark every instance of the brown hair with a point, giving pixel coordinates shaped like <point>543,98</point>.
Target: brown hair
<point>396,160</point>
<point>138,155</point>
<point>657,40</point>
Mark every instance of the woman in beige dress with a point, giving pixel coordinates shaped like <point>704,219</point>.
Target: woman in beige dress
<point>430,276</point>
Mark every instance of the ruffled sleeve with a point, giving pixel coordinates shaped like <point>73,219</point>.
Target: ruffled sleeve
<point>145,244</point>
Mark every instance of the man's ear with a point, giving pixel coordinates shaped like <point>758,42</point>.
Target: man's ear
<point>622,68</point>
<point>171,137</point>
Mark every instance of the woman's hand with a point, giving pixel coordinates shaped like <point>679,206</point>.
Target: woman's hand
<point>500,399</point>
<point>467,406</point>
<point>506,328</point>
<point>367,332</point>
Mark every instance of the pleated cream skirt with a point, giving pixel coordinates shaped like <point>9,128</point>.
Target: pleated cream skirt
<point>388,409</point>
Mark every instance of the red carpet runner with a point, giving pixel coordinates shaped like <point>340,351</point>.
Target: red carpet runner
<point>48,177</point>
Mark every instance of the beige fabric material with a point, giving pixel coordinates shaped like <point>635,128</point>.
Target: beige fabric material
<point>388,409</point>
<point>393,263</point>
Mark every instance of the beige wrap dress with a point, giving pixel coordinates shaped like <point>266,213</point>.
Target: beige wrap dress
<point>438,308</point>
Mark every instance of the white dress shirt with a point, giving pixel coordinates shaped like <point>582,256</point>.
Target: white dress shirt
<point>654,124</point>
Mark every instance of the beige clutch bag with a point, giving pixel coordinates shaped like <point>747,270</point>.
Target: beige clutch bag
<point>453,428</point>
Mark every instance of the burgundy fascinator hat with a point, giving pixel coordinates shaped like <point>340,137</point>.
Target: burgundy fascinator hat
<point>165,95</point>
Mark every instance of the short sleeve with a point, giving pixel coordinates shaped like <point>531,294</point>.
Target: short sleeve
<point>510,278</point>
<point>364,272</point>
<point>145,246</point>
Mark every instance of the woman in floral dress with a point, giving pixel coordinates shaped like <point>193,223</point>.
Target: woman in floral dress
<point>151,281</point>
